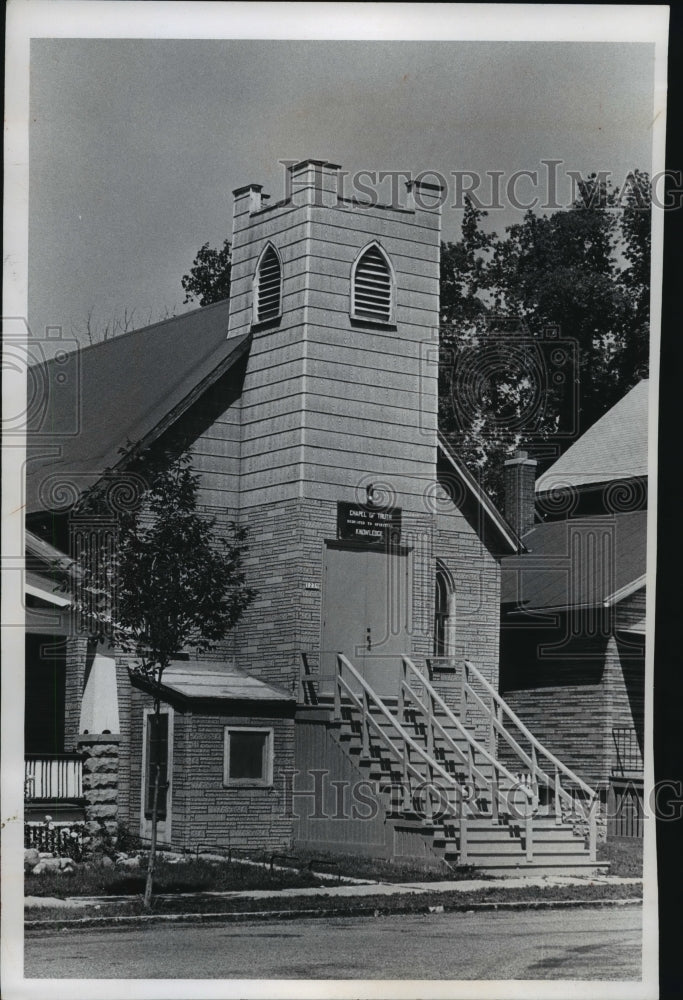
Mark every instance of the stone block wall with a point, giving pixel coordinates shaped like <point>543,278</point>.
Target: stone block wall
<point>100,779</point>
<point>571,700</point>
<point>476,575</point>
<point>76,657</point>
<point>202,811</point>
<point>207,813</point>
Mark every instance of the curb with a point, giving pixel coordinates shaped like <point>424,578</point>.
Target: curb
<point>82,923</point>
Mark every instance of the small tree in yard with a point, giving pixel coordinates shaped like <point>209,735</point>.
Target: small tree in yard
<point>166,581</point>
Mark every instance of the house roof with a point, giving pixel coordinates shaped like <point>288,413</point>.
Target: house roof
<point>579,562</point>
<point>127,389</point>
<point>615,447</point>
<point>202,680</point>
<point>47,555</point>
<point>46,589</point>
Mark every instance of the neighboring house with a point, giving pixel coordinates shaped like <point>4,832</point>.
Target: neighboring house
<point>574,606</point>
<point>309,403</point>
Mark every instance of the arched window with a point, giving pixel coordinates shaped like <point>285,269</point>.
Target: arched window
<point>372,286</point>
<point>444,613</point>
<point>268,290</point>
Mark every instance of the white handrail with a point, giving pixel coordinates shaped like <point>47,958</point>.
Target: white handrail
<point>496,764</point>
<point>560,794</point>
<point>523,729</point>
<point>406,737</point>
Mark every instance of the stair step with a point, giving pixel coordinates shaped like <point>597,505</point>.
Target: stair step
<point>515,847</point>
<point>564,867</point>
<point>493,860</point>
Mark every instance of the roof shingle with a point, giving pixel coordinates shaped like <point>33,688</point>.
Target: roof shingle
<point>615,447</point>
<point>123,389</point>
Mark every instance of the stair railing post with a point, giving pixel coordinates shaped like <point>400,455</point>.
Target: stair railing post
<point>529,832</point>
<point>430,725</point>
<point>593,828</point>
<point>558,799</point>
<point>365,725</point>
<point>463,836</point>
<point>337,690</point>
<point>402,691</point>
<point>492,728</point>
<point>534,773</point>
<point>429,812</point>
<point>494,797</point>
<point>405,780</point>
<point>463,693</point>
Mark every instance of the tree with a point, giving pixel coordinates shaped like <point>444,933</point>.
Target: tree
<point>163,582</point>
<point>209,278</point>
<point>576,279</point>
<point>95,330</point>
<point>636,202</point>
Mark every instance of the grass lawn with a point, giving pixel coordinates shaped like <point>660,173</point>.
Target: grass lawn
<point>203,875</point>
<point>372,904</point>
<point>186,876</point>
<point>625,856</point>
<point>375,869</point>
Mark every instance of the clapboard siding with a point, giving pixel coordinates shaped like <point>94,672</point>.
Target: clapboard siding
<point>320,358</point>
<point>337,820</point>
<point>631,612</point>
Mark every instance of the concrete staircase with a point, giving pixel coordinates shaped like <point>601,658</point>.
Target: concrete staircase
<point>455,783</point>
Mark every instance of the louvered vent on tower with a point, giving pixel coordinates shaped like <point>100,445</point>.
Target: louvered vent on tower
<point>268,286</point>
<point>372,286</point>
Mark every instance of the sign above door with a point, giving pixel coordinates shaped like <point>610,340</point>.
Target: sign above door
<point>367,523</point>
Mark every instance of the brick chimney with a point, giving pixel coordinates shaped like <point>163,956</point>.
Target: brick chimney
<point>519,479</point>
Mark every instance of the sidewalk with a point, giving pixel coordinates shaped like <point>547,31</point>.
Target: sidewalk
<point>356,891</point>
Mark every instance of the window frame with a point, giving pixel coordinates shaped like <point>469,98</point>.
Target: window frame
<point>266,781</point>
<point>266,320</point>
<point>364,317</point>
<point>446,617</point>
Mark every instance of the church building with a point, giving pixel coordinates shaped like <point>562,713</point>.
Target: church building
<point>355,707</point>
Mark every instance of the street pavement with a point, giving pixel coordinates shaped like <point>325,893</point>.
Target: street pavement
<point>586,944</point>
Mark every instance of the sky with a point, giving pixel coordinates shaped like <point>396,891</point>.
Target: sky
<point>136,144</point>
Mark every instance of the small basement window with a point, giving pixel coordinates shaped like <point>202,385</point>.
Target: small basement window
<point>372,284</point>
<point>268,292</point>
<point>248,756</point>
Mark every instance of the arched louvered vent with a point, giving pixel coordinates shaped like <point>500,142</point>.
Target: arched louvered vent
<point>268,286</point>
<point>372,286</point>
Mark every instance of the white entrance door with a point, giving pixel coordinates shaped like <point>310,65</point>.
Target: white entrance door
<point>366,615</point>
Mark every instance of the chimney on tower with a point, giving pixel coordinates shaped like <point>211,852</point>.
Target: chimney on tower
<point>519,479</point>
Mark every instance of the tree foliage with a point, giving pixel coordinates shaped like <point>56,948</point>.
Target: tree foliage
<point>208,280</point>
<point>544,329</point>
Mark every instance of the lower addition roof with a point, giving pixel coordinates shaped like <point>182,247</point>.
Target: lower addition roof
<point>214,680</point>
<point>578,562</point>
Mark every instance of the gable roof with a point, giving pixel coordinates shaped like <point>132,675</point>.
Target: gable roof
<point>615,447</point>
<point>129,388</point>
<point>579,562</point>
<point>491,517</point>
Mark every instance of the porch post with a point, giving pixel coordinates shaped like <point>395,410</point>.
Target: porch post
<point>100,779</point>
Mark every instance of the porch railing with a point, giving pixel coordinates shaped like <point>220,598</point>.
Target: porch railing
<point>628,754</point>
<point>53,777</point>
<point>506,734</point>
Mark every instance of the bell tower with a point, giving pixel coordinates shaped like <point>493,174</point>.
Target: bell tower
<point>339,407</point>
